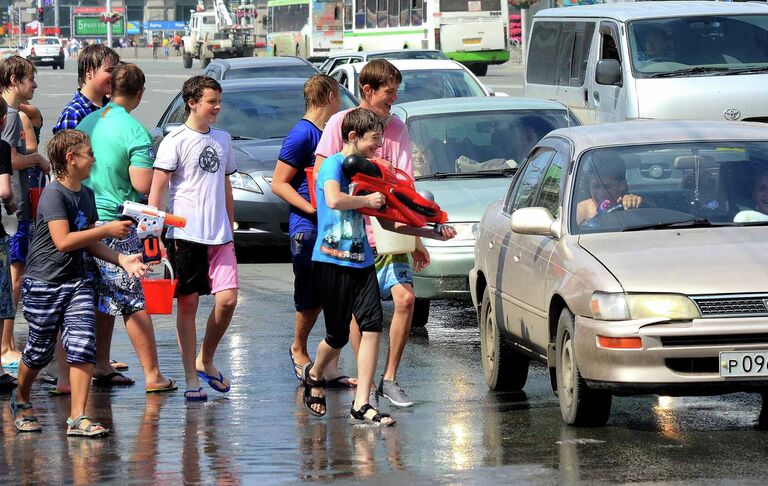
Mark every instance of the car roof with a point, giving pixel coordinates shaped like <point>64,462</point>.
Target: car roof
<point>365,54</point>
<point>249,62</point>
<point>643,132</point>
<point>625,11</point>
<point>416,64</point>
<point>477,103</point>
<point>248,84</point>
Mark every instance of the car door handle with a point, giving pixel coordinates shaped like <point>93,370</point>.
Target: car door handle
<point>517,255</point>
<point>596,96</point>
<point>490,244</point>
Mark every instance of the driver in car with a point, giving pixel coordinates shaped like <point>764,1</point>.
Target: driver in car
<point>658,45</point>
<point>607,190</point>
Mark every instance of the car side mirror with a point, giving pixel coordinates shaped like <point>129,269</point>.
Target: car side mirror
<point>170,127</point>
<point>535,221</point>
<point>608,72</point>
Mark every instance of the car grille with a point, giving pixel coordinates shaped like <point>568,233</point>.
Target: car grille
<point>715,339</point>
<point>732,306</point>
<point>693,365</point>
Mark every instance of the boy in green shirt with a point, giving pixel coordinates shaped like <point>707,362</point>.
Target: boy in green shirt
<point>123,148</point>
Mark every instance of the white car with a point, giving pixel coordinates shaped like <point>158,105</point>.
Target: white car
<point>44,51</point>
<point>423,79</point>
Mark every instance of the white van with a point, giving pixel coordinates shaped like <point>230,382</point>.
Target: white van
<point>666,60</point>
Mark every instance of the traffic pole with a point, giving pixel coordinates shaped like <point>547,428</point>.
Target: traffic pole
<point>109,24</point>
<point>40,29</point>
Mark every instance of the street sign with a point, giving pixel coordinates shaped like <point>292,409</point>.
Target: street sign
<point>92,25</point>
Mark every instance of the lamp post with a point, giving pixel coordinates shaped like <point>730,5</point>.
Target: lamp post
<point>109,25</point>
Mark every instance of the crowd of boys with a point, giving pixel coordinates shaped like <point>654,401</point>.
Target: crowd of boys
<point>74,264</point>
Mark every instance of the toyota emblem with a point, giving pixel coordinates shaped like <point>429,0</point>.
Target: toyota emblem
<point>732,114</point>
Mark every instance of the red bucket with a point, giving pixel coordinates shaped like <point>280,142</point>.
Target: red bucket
<point>311,184</point>
<point>34,196</point>
<point>158,292</point>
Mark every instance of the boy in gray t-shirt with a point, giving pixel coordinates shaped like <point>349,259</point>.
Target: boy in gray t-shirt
<point>57,293</point>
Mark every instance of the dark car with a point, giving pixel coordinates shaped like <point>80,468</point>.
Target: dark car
<point>258,113</point>
<point>260,67</point>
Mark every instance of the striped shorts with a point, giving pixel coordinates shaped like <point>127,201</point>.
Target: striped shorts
<point>50,307</point>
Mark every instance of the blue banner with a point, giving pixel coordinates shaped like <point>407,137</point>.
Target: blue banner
<point>164,25</point>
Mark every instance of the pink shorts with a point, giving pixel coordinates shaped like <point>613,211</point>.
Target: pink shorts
<point>222,268</point>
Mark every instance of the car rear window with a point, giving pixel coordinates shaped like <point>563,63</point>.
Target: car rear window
<point>272,72</point>
<point>46,42</point>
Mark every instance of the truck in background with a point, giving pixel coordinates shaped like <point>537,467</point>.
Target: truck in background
<point>220,33</point>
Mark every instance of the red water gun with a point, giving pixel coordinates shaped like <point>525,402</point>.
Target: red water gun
<point>403,204</point>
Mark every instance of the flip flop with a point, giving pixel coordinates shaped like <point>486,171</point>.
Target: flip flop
<point>339,382</point>
<point>201,397</point>
<point>171,386</point>
<point>298,369</point>
<point>212,379</point>
<point>118,365</point>
<point>106,381</point>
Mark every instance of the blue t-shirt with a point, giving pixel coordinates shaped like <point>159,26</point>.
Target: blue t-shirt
<point>341,238</point>
<point>298,151</point>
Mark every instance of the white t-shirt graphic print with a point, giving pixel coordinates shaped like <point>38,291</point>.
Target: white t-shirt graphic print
<point>199,164</point>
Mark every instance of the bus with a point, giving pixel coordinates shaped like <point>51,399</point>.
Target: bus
<point>472,32</point>
<point>311,29</point>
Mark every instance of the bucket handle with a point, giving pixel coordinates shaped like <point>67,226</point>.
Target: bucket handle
<point>167,264</point>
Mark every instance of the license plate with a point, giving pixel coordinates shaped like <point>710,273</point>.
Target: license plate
<point>473,41</point>
<point>743,363</point>
<point>47,59</point>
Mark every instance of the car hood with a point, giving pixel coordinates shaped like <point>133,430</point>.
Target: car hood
<point>465,198</point>
<point>256,155</point>
<point>690,261</point>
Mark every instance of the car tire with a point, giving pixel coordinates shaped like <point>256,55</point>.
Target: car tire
<point>504,368</point>
<point>61,66</point>
<point>479,69</point>
<point>420,313</point>
<point>187,60</point>
<point>579,404</point>
<point>55,67</point>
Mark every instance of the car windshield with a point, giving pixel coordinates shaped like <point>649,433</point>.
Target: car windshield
<point>435,84</point>
<point>475,142</point>
<point>267,113</point>
<point>669,186</point>
<point>408,54</point>
<point>699,46</point>
<point>272,72</point>
<point>45,42</point>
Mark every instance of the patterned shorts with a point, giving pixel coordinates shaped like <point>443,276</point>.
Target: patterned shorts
<point>117,293</point>
<point>52,307</point>
<point>392,270</point>
<point>7,309</point>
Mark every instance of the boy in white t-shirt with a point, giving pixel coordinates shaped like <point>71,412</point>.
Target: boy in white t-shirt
<point>195,161</point>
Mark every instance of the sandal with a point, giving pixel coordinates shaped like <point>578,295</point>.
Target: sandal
<point>23,423</point>
<point>298,369</point>
<point>376,419</point>
<point>309,399</point>
<point>93,429</point>
<point>195,395</point>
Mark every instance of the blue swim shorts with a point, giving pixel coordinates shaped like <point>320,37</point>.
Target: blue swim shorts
<point>19,242</point>
<point>392,270</point>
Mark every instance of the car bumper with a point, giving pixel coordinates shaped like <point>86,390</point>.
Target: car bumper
<point>46,60</point>
<point>447,276</point>
<point>261,219</point>
<point>675,358</point>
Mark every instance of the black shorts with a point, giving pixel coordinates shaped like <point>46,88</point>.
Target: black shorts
<point>346,292</point>
<point>304,286</point>
<point>190,263</point>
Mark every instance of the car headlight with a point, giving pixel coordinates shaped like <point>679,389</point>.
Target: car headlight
<point>241,180</point>
<point>465,231</point>
<point>620,307</point>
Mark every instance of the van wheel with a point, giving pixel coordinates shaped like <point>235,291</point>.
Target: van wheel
<point>420,313</point>
<point>579,404</point>
<point>55,66</point>
<point>504,368</point>
<point>187,60</point>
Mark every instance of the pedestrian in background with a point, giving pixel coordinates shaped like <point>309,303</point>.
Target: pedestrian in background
<point>194,163</point>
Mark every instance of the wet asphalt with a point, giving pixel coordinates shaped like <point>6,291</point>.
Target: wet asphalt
<point>458,432</point>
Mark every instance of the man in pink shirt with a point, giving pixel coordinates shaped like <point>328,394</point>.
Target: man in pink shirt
<point>379,81</point>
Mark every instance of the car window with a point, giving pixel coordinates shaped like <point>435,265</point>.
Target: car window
<point>527,181</point>
<point>724,183</point>
<point>436,84</point>
<point>176,113</point>
<point>551,187</point>
<point>341,77</point>
<point>479,141</point>
<point>301,71</point>
<point>46,42</point>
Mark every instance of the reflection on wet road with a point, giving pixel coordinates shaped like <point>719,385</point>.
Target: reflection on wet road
<point>458,432</point>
